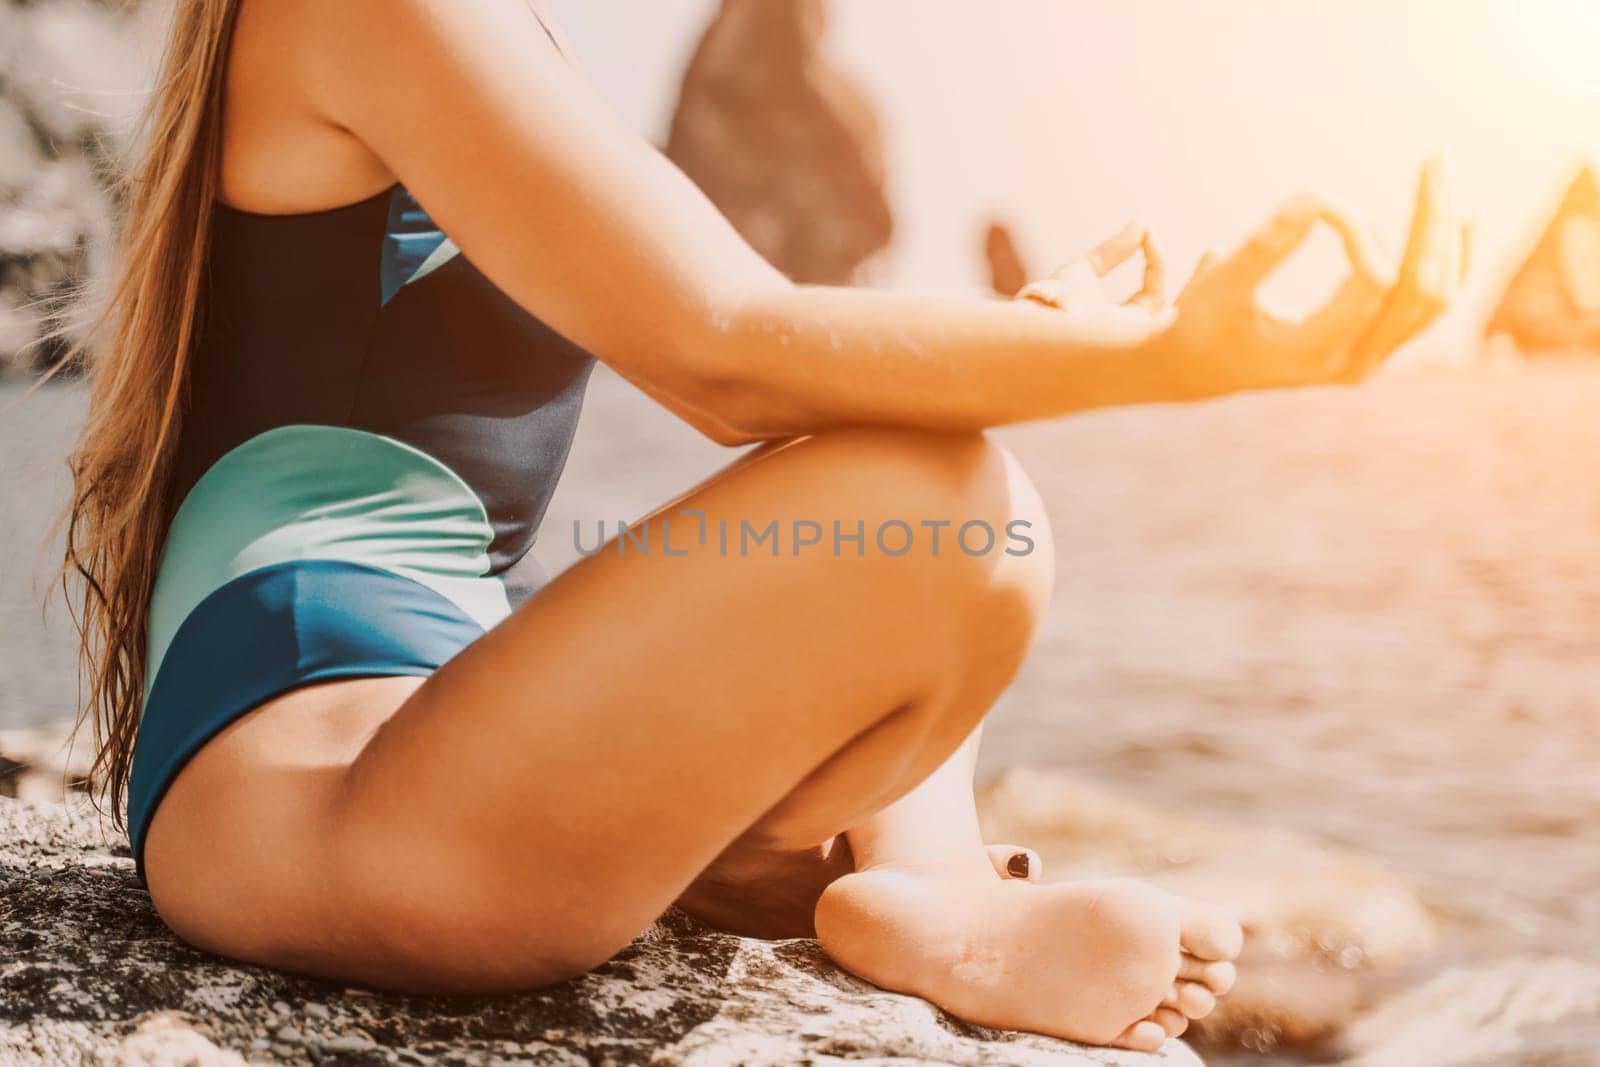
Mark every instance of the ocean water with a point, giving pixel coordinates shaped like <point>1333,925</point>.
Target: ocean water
<point>1369,616</point>
<point>37,659</point>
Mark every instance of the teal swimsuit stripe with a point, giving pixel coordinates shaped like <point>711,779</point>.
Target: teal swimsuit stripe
<point>329,493</point>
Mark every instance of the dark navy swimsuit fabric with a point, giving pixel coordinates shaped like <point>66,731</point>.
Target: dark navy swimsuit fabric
<point>373,433</point>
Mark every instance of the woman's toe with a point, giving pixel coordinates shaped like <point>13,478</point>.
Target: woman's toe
<point>1015,862</point>
<point>1146,1035</point>
<point>1172,1021</point>
<point>1217,976</point>
<point>1210,933</point>
<point>1194,1000</point>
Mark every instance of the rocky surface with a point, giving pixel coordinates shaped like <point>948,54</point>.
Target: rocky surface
<point>1520,1012</point>
<point>71,74</point>
<point>88,974</point>
<point>1330,935</point>
<point>782,142</point>
<point>1552,306</point>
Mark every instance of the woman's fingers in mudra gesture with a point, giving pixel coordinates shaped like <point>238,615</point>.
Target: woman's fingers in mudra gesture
<point>1223,340</point>
<point>1076,285</point>
<point>1435,264</point>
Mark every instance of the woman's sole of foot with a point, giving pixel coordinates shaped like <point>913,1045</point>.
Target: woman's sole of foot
<point>1105,962</point>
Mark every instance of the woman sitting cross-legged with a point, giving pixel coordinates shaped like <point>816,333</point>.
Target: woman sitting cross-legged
<point>361,737</point>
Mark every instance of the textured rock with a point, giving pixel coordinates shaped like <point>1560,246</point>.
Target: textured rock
<point>1552,306</point>
<point>782,142</point>
<point>1007,272</point>
<point>1525,1012</point>
<point>72,75</point>
<point>1328,933</point>
<point>89,974</point>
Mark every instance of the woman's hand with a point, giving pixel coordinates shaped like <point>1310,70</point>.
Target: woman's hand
<point>1075,286</point>
<point>1222,340</point>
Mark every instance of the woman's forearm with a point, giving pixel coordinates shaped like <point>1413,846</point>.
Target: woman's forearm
<point>795,359</point>
<point>561,205</point>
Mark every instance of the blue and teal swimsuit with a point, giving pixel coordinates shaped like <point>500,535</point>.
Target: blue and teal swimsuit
<point>373,433</point>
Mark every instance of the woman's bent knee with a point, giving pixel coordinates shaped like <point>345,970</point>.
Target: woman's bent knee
<point>961,497</point>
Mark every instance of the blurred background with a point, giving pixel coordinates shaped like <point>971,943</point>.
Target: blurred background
<point>1331,655</point>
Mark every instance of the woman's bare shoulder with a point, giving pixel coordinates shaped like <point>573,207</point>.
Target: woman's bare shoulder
<point>473,107</point>
<point>283,153</point>
<point>313,87</point>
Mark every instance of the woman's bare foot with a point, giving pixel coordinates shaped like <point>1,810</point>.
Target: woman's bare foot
<point>1105,962</point>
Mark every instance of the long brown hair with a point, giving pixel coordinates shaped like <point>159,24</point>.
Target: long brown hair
<point>138,350</point>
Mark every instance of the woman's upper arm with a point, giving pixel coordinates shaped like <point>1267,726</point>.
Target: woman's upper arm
<point>574,215</point>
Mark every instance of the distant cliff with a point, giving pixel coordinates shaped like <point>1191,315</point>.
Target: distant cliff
<point>783,142</point>
<point>1552,306</point>
<point>72,75</point>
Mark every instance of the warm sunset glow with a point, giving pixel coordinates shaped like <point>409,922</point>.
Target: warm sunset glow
<point>1067,116</point>
<point>692,530</point>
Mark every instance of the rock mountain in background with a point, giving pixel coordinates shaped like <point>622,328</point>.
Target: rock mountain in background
<point>782,142</point>
<point>1552,306</point>
<point>1007,272</point>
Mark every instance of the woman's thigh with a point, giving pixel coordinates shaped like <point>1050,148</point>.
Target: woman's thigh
<point>526,810</point>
